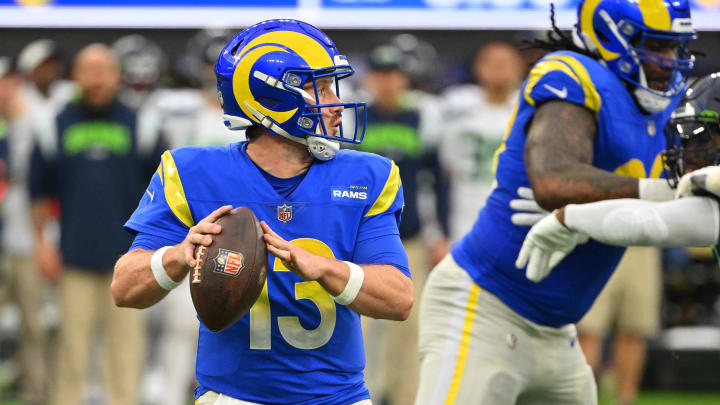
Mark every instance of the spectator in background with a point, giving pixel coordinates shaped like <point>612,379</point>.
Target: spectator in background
<point>93,158</point>
<point>8,91</point>
<point>475,121</point>
<point>9,85</point>
<point>142,65</point>
<point>41,93</point>
<point>192,114</point>
<point>41,64</point>
<point>630,302</point>
<point>397,129</point>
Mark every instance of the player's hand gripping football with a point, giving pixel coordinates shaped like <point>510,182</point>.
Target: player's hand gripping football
<point>200,234</point>
<point>531,211</point>
<point>700,182</point>
<point>301,262</point>
<point>547,243</point>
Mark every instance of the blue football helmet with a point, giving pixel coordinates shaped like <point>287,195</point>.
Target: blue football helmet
<point>621,34</point>
<point>261,73</point>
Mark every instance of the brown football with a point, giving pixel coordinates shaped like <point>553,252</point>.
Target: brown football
<point>229,274</point>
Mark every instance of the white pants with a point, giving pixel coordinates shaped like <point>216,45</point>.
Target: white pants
<point>213,398</point>
<point>475,350</point>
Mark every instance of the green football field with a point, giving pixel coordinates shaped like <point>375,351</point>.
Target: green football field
<point>674,398</point>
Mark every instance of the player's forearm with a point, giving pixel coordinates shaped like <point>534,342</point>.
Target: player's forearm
<point>386,293</point>
<point>133,283</point>
<point>559,159</point>
<point>691,221</point>
<point>579,183</point>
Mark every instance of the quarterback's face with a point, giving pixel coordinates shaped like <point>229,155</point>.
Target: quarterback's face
<point>331,116</point>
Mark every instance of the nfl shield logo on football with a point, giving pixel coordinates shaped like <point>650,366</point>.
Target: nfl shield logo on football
<point>228,262</point>
<point>284,212</point>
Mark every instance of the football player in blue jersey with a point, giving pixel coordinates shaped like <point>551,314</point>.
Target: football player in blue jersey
<point>692,157</point>
<point>585,128</point>
<point>330,219</point>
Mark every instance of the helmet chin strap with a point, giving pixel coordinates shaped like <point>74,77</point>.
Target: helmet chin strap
<point>320,148</point>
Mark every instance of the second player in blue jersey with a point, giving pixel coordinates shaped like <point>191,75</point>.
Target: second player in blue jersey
<point>587,126</point>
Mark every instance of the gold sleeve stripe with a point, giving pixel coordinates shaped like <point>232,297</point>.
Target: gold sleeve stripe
<point>592,98</point>
<point>540,70</point>
<point>389,191</point>
<point>174,193</point>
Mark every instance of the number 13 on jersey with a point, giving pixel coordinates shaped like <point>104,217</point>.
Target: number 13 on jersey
<point>290,328</point>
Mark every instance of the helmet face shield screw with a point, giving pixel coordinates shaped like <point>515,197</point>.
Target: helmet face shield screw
<point>626,28</point>
<point>305,122</point>
<point>293,80</point>
<point>625,67</point>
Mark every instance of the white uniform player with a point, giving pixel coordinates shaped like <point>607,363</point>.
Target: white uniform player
<point>474,129</point>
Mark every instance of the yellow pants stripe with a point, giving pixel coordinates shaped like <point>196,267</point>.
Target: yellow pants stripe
<point>464,345</point>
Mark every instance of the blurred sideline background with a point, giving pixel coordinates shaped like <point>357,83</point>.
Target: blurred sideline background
<point>427,56</point>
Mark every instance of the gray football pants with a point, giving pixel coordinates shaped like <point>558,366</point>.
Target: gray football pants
<point>475,350</point>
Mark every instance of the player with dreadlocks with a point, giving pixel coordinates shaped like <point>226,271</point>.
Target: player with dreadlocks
<point>585,129</point>
<point>692,158</point>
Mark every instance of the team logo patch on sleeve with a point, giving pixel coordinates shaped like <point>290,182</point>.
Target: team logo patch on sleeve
<point>284,212</point>
<point>229,262</point>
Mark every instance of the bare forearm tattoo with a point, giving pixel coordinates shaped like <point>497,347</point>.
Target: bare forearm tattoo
<point>558,159</point>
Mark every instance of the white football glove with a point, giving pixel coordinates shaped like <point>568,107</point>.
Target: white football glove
<point>700,182</point>
<point>526,202</point>
<point>547,243</point>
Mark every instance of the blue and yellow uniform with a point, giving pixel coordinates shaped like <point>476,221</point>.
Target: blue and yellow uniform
<point>296,345</point>
<point>627,143</point>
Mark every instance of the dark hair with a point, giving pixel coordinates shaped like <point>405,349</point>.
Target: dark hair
<point>557,40</point>
<point>252,132</point>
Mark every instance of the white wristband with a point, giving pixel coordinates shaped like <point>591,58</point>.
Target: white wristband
<point>655,190</point>
<point>159,272</point>
<point>352,288</point>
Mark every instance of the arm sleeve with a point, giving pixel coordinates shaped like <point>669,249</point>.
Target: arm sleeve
<point>150,242</point>
<point>383,216</point>
<point>693,221</point>
<point>386,249</point>
<point>561,77</point>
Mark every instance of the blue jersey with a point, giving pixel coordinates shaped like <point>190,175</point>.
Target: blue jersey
<point>628,143</point>
<point>296,345</point>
